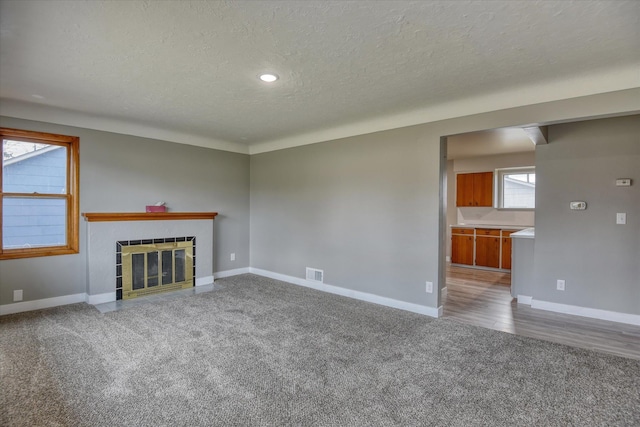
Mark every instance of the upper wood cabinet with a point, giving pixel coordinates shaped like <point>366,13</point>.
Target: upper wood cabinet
<point>474,189</point>
<point>464,189</point>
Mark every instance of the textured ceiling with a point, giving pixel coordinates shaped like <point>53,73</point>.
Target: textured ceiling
<point>189,68</point>
<point>489,142</point>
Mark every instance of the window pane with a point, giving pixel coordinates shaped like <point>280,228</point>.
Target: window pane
<point>517,176</point>
<point>28,167</point>
<point>33,222</point>
<point>36,164</point>
<point>519,191</point>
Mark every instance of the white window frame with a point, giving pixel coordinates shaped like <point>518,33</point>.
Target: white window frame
<point>499,190</point>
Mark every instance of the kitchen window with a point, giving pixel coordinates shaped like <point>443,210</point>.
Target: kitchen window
<point>516,188</point>
<point>39,192</point>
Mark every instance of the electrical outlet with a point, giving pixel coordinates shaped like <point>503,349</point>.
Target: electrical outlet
<point>233,257</point>
<point>17,295</point>
<point>621,218</point>
<point>560,285</point>
<point>429,288</point>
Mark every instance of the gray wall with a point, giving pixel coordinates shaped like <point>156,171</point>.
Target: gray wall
<point>599,260</point>
<point>366,209</point>
<point>357,208</point>
<point>121,173</point>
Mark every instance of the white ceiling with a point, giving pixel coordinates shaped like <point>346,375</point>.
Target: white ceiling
<point>186,71</point>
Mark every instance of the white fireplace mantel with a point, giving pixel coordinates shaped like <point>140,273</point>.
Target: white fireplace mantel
<point>105,229</point>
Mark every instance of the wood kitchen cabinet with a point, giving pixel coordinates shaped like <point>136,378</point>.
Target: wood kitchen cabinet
<point>474,189</point>
<point>506,249</point>
<point>487,248</point>
<point>464,189</point>
<point>462,242</point>
<point>481,247</point>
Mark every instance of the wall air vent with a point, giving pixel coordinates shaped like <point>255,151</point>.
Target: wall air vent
<point>315,275</point>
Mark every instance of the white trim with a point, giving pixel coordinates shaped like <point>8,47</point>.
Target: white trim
<point>229,273</point>
<point>101,298</point>
<point>20,307</point>
<point>206,280</point>
<point>444,292</point>
<point>524,299</point>
<point>363,296</point>
<point>448,258</point>
<point>577,85</point>
<point>38,304</point>
<point>49,114</point>
<point>594,313</point>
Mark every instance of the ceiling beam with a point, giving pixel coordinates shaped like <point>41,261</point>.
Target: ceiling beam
<point>538,134</point>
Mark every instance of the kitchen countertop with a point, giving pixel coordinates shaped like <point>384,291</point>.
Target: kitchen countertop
<point>527,233</point>
<point>499,227</point>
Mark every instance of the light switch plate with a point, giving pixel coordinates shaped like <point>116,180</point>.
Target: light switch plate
<point>623,182</point>
<point>621,218</point>
<point>578,206</point>
<point>429,287</point>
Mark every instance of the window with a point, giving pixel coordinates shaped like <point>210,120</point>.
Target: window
<point>516,188</point>
<point>39,192</point>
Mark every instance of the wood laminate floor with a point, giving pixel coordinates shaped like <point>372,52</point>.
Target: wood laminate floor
<point>483,298</point>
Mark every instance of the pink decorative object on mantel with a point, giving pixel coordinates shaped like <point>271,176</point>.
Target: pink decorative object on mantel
<point>158,207</point>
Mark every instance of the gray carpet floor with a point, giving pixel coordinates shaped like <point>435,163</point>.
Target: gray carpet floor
<point>259,352</point>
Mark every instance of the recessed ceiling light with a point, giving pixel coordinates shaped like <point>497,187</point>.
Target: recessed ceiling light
<point>268,77</point>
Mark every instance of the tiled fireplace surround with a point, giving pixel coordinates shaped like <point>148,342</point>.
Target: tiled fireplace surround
<point>104,230</point>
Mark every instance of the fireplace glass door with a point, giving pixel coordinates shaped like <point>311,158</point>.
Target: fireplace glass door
<point>152,268</point>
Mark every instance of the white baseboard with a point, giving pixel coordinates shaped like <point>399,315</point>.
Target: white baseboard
<point>447,258</point>
<point>206,280</point>
<point>443,292</point>
<point>19,307</point>
<point>524,299</point>
<point>363,296</point>
<point>229,273</point>
<point>594,313</point>
<point>101,298</point>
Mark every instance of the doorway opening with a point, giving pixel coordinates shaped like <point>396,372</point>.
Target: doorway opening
<point>477,242</point>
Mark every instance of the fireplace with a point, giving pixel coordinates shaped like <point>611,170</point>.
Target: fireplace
<point>111,233</point>
<point>150,266</point>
